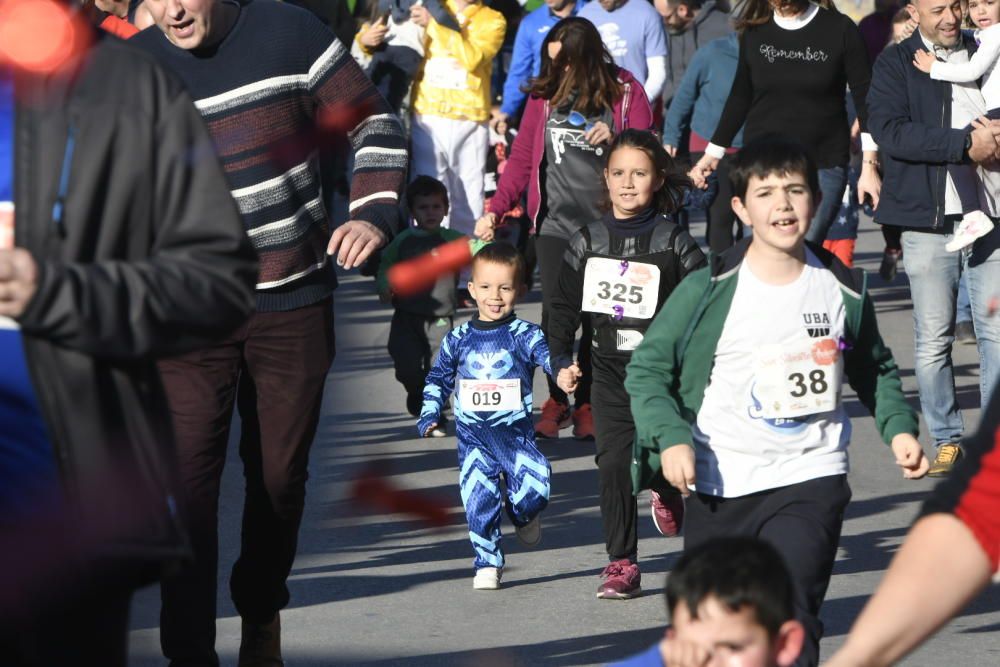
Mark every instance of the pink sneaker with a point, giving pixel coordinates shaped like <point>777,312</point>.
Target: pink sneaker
<point>973,226</point>
<point>668,512</point>
<point>622,579</point>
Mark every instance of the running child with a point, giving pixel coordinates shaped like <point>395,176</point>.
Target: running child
<point>736,388</point>
<point>982,64</point>
<point>621,270</point>
<point>422,321</point>
<point>490,361</point>
<point>730,603</point>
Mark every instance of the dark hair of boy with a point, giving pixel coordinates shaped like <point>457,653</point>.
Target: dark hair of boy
<point>739,572</point>
<point>771,154</point>
<point>502,253</point>
<point>425,186</point>
<point>670,197</point>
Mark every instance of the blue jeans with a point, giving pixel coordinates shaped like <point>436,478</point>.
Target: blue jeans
<point>934,274</point>
<point>832,182</point>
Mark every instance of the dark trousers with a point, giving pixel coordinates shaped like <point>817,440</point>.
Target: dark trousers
<point>87,630</point>
<point>614,433</point>
<point>549,251</point>
<point>414,341</point>
<point>273,368</point>
<point>720,217</point>
<point>801,521</point>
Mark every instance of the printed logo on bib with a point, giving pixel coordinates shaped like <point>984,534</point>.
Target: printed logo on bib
<point>620,288</point>
<point>628,339</point>
<point>490,395</point>
<point>817,324</point>
<point>442,72</point>
<point>799,379</point>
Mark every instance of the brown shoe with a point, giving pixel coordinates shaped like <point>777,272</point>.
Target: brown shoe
<point>260,645</point>
<point>947,456</point>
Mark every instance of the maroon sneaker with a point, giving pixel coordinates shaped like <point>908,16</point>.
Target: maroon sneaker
<point>668,512</point>
<point>621,581</point>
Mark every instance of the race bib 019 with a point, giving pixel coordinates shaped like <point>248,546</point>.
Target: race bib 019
<point>621,288</point>
<point>490,395</point>
<point>799,379</point>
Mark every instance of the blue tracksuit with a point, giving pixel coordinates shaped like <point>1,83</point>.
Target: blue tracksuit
<point>492,442</point>
<point>526,60</point>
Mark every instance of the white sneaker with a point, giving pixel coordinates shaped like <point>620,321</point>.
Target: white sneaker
<point>530,534</point>
<point>487,579</point>
<point>437,432</point>
<point>973,226</point>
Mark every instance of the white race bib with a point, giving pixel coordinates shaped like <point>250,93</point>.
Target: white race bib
<point>441,72</point>
<point>620,287</point>
<point>490,395</point>
<point>799,379</point>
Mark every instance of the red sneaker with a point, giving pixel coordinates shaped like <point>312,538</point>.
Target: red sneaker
<point>622,579</point>
<point>583,423</point>
<point>555,416</point>
<point>668,512</point>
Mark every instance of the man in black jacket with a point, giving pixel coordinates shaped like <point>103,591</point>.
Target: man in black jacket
<point>120,245</point>
<point>922,126</point>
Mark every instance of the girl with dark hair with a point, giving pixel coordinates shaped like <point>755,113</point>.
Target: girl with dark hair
<point>796,61</point>
<point>579,101</point>
<point>620,271</point>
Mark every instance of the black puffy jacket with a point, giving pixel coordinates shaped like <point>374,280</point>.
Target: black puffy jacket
<point>121,200</point>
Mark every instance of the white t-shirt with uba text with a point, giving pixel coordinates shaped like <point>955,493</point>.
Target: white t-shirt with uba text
<point>772,413</point>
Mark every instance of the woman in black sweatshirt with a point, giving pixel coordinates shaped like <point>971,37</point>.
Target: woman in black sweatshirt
<point>797,59</point>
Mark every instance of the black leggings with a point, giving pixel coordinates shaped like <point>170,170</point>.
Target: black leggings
<point>720,216</point>
<point>549,251</point>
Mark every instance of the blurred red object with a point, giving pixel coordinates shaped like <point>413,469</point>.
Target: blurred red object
<point>41,37</point>
<point>375,491</point>
<point>420,273</point>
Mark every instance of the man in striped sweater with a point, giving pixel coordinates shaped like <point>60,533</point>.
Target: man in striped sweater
<point>274,86</point>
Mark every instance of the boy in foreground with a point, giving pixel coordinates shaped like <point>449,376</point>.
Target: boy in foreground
<point>489,363</point>
<point>730,603</point>
<point>736,389</point>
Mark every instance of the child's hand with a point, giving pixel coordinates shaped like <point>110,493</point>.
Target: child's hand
<point>679,653</point>
<point>486,226</point>
<point>598,133</point>
<point>374,35</point>
<point>677,465</point>
<point>910,456</point>
<point>569,378</point>
<point>923,61</point>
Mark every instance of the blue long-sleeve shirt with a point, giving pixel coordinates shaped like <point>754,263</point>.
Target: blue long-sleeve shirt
<point>701,96</point>
<point>526,60</point>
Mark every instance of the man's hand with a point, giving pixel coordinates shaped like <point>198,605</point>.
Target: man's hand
<point>923,61</point>
<point>677,464</point>
<point>420,15</point>
<point>910,456</point>
<point>599,133</point>
<point>568,378</point>
<point>18,281</point>
<point>869,182</point>
<point>354,241</point>
<point>985,147</point>
<point>679,653</point>
<point>486,226</point>
<point>373,37</point>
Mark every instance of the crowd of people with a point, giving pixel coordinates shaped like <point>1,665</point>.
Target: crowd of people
<point>187,162</point>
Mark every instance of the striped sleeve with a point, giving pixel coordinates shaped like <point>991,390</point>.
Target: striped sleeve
<point>339,86</point>
<point>972,491</point>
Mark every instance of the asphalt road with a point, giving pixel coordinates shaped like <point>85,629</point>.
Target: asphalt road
<point>380,589</point>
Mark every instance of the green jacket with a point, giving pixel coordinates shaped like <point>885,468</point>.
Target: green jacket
<point>670,369</point>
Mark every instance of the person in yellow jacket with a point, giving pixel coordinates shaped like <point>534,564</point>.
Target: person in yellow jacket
<point>451,104</point>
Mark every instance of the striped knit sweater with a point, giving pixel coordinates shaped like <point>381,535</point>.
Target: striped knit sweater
<point>260,91</point>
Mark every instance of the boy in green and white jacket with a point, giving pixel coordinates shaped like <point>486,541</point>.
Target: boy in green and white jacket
<point>736,388</point>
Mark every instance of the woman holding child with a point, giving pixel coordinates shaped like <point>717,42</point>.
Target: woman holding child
<point>796,60</point>
<point>577,104</point>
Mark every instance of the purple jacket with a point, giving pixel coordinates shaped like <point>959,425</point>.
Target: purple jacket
<point>522,170</point>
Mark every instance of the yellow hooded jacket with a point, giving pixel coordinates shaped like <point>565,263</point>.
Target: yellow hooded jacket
<point>454,81</point>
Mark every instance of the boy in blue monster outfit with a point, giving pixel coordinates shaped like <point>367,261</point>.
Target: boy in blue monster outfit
<point>490,361</point>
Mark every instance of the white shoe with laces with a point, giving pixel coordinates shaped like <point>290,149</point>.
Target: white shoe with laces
<point>974,225</point>
<point>487,579</point>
